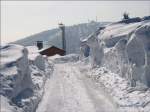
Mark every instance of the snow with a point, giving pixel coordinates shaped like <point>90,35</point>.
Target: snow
<point>127,98</point>
<point>112,33</point>
<point>8,51</point>
<point>96,49</point>
<point>64,59</point>
<point>126,45</point>
<point>68,91</point>
<point>6,107</point>
<point>124,68</point>
<point>111,73</point>
<point>72,33</point>
<point>33,52</point>
<point>23,74</point>
<point>75,86</point>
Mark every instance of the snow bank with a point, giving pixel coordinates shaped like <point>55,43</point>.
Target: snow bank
<point>23,74</point>
<point>127,98</point>
<point>122,48</point>
<point>129,57</point>
<point>115,58</point>
<point>64,59</point>
<point>96,49</point>
<point>138,51</point>
<point>113,33</point>
<point>14,70</point>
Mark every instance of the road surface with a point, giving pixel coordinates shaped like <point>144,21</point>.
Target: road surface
<point>69,91</point>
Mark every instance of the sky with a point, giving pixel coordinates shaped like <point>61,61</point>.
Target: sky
<point>20,19</point>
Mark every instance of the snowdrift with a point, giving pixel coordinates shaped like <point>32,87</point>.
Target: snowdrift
<point>64,59</point>
<point>23,73</point>
<point>123,48</point>
<point>125,97</point>
<point>120,58</point>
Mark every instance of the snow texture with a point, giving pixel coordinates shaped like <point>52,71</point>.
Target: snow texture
<point>112,72</point>
<point>123,63</point>
<point>123,49</point>
<point>23,73</point>
<point>69,91</point>
<point>96,49</point>
<point>127,99</point>
<point>64,59</point>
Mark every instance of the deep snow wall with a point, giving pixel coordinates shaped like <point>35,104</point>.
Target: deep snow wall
<point>14,70</point>
<point>138,51</point>
<point>23,73</point>
<point>130,55</point>
<point>124,49</point>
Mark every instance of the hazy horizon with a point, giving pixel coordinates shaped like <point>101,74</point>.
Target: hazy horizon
<point>23,18</point>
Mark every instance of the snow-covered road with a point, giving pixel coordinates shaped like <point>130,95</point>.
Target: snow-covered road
<point>69,91</point>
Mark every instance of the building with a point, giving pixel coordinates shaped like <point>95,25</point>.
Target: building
<point>39,44</point>
<point>52,50</point>
<point>62,28</point>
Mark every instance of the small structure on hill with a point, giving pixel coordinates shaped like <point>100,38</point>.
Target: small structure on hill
<point>39,44</point>
<point>51,51</point>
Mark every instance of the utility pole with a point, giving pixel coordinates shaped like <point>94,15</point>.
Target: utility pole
<point>96,18</point>
<point>62,27</point>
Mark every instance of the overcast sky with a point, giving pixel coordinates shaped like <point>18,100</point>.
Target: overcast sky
<point>24,18</point>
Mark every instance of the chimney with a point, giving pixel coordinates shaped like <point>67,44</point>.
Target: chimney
<point>62,27</point>
<point>39,44</point>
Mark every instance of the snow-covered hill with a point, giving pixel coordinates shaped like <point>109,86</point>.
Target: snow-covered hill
<point>73,35</point>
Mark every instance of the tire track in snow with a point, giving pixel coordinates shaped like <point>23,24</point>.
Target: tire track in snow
<point>66,92</point>
<point>100,98</point>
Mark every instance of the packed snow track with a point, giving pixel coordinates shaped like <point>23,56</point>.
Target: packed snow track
<point>69,91</point>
